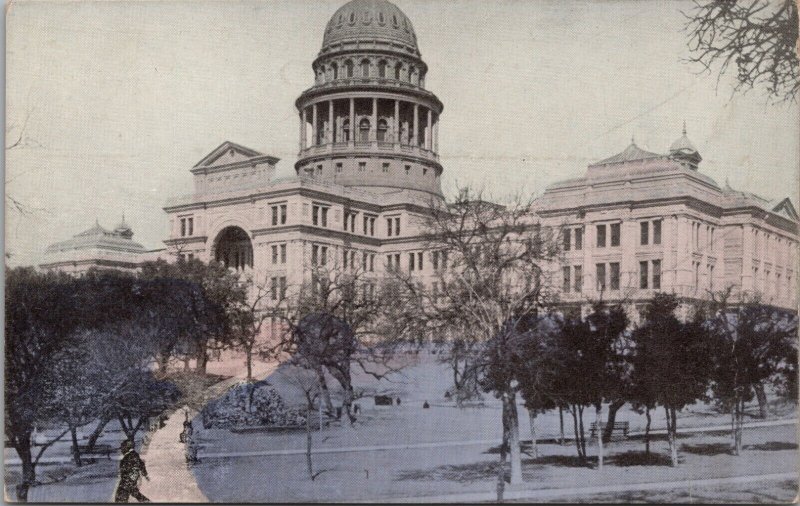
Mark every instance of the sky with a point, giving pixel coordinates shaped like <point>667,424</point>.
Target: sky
<point>119,100</point>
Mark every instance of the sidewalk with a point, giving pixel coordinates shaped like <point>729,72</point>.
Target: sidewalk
<point>534,495</point>
<point>446,444</point>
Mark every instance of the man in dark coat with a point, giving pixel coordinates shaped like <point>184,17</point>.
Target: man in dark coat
<point>131,467</point>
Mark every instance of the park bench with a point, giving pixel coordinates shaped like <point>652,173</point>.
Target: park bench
<point>102,449</point>
<point>619,428</point>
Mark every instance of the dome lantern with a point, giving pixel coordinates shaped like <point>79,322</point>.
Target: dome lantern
<point>684,151</point>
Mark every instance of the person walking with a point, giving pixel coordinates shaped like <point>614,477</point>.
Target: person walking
<point>131,467</point>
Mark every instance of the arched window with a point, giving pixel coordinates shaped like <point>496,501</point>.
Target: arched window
<point>363,130</point>
<point>352,17</point>
<point>365,68</point>
<point>381,19</point>
<point>411,74</point>
<point>383,127</point>
<point>382,69</point>
<point>397,71</point>
<point>346,130</point>
<point>348,65</point>
<point>335,71</point>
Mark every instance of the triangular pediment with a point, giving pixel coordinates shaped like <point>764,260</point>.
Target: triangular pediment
<point>786,209</point>
<point>227,152</point>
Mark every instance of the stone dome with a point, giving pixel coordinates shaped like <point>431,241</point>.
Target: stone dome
<point>683,144</point>
<point>368,20</point>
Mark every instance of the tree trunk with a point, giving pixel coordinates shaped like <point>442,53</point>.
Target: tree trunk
<point>326,394</point>
<point>23,448</point>
<point>739,421</point>
<point>202,358</point>
<point>309,464</point>
<point>534,447</point>
<point>249,362</point>
<point>501,468</point>
<point>561,425</point>
<point>186,359</point>
<point>647,432</point>
<point>612,417</point>
<point>97,432</point>
<point>574,412</point>
<point>761,395</point>
<point>76,452</point>
<point>582,432</point>
<point>598,411</point>
<point>514,443</point>
<point>671,437</point>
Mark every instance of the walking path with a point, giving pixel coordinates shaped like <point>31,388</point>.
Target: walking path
<point>534,495</point>
<point>445,444</point>
<point>165,456</point>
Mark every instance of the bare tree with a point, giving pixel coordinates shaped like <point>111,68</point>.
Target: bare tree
<point>335,320</point>
<point>306,382</point>
<point>492,265</point>
<point>755,38</point>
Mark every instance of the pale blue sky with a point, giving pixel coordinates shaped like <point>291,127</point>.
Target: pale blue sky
<point>124,97</point>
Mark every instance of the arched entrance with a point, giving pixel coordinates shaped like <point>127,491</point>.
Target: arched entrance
<point>234,248</point>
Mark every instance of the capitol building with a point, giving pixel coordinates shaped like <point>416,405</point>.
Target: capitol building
<point>368,170</point>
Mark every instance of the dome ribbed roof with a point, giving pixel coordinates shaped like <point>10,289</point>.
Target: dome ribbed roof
<point>683,144</point>
<point>370,20</point>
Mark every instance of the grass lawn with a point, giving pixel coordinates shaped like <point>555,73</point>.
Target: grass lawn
<point>418,472</point>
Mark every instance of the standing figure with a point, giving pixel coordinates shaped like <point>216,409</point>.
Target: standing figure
<point>131,467</point>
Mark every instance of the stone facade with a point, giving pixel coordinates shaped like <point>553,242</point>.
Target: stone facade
<point>368,169</point>
<point>98,248</point>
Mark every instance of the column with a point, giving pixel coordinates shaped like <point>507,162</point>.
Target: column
<point>303,133</point>
<point>429,132</point>
<point>352,121</point>
<point>315,137</point>
<point>373,127</point>
<point>331,125</point>
<point>667,245</point>
<point>396,125</point>
<point>415,138</point>
<point>436,135</point>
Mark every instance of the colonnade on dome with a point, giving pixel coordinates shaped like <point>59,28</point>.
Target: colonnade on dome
<point>362,121</point>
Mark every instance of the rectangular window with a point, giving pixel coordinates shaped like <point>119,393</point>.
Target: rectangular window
<point>566,279</point>
<point>645,233</point>
<point>601,276</point>
<point>283,253</point>
<point>579,238</point>
<point>274,254</point>
<point>273,288</point>
<point>278,214</point>
<point>642,274</point>
<point>601,236</point>
<point>411,262</point>
<point>711,278</point>
<point>656,274</point>
<point>567,237</point>
<point>578,277</point>
<point>362,166</point>
<point>323,255</point>
<point>393,226</point>
<point>319,215</point>
<point>339,167</point>
<point>282,284</point>
<point>314,254</point>
<point>319,170</point>
<point>420,266</point>
<point>657,232</point>
<point>386,167</point>
<point>190,225</point>
<point>183,227</point>
<point>615,234</point>
<point>435,260</point>
<point>614,274</point>
<point>372,262</point>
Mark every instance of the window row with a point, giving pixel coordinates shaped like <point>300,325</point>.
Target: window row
<point>702,237</point>
<point>645,228</point>
<point>365,68</point>
<point>568,235</point>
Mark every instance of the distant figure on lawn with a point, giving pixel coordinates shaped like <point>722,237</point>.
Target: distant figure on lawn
<point>131,467</point>
<point>398,401</point>
<point>425,405</point>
